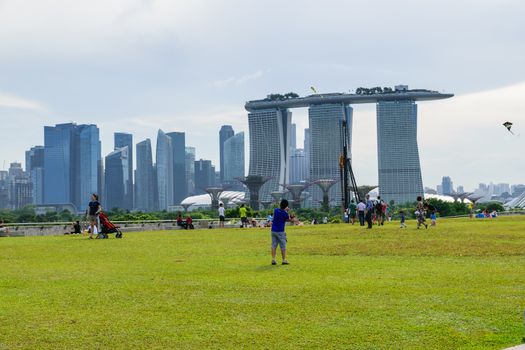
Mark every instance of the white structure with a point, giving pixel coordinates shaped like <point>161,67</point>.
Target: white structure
<point>233,198</point>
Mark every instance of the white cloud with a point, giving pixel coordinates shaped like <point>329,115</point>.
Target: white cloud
<point>233,81</point>
<point>10,101</point>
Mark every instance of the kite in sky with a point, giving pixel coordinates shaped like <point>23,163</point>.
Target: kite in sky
<point>314,90</point>
<point>508,125</point>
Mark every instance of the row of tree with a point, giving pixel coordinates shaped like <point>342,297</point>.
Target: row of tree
<point>373,91</point>
<point>27,214</point>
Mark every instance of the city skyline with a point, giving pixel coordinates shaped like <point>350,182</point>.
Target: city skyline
<point>154,71</point>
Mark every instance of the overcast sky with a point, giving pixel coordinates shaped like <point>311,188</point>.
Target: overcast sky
<point>140,65</point>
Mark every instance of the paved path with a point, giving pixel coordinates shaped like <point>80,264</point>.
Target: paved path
<point>519,347</point>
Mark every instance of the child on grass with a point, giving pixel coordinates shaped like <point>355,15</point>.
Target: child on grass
<point>433,218</point>
<point>280,217</point>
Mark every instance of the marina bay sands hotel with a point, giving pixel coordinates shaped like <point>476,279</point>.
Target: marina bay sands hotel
<point>399,167</point>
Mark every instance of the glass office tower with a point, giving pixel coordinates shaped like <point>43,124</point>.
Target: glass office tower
<point>116,178</point>
<point>126,140</point>
<point>145,189</point>
<point>164,169</point>
<point>234,162</point>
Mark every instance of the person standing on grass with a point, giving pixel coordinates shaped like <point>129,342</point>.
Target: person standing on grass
<point>369,211</point>
<point>94,208</point>
<point>402,218</point>
<point>351,211</point>
<point>361,208</point>
<point>433,218</point>
<point>280,217</point>
<point>420,212</point>
<point>379,211</point>
<point>243,213</point>
<point>221,215</point>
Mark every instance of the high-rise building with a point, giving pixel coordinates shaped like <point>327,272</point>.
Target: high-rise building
<point>19,187</point>
<point>233,162</point>
<point>398,155</point>
<point>145,180</point>
<point>35,171</point>
<point>116,179</point>
<point>190,170</point>
<point>446,185</point>
<point>225,133</point>
<point>164,169</point>
<point>306,147</point>
<point>87,165</point>
<point>4,189</point>
<point>293,138</point>
<point>204,175</point>
<point>326,144</point>
<point>439,189</point>
<point>461,189</point>
<point>399,167</point>
<point>126,140</point>
<point>299,172</point>
<point>270,148</point>
<point>72,157</point>
<point>178,150</point>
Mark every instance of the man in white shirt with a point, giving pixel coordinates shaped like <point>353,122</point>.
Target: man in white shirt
<point>221,215</point>
<point>361,206</point>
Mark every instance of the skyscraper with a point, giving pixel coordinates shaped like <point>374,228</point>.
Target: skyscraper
<point>126,140</point>
<point>145,189</point>
<point>190,170</point>
<point>398,156</point>
<point>87,166</point>
<point>164,169</point>
<point>71,163</point>
<point>269,147</point>
<point>293,138</point>
<point>446,185</point>
<point>326,144</point>
<point>204,175</point>
<point>116,179</point>
<point>299,172</point>
<point>178,150</point>
<point>234,162</point>
<point>35,171</point>
<point>225,133</point>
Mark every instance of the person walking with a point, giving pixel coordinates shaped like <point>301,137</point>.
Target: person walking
<point>379,211</point>
<point>94,208</point>
<point>369,210</point>
<point>221,215</point>
<point>420,212</point>
<point>361,208</point>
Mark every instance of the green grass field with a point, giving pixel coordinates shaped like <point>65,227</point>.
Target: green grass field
<point>458,286</point>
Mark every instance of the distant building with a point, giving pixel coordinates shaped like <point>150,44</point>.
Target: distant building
<point>293,139</point>
<point>270,148</point>
<point>204,175</point>
<point>116,179</point>
<point>234,162</point>
<point>4,189</point>
<point>224,134</point>
<point>145,178</point>
<point>72,159</point>
<point>517,190</point>
<point>126,140</point>
<point>164,169</point>
<point>178,147</point>
<point>190,170</point>
<point>299,171</point>
<point>20,193</point>
<point>398,155</point>
<point>461,189</point>
<point>35,171</point>
<point>326,144</point>
<point>447,185</point>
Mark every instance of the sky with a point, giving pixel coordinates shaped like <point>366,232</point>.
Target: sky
<point>179,65</point>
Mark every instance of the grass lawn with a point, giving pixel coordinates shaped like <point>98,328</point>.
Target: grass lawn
<point>458,286</point>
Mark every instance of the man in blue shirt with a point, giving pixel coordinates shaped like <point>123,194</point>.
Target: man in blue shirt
<point>280,216</point>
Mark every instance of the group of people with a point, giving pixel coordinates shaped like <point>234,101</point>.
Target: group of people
<point>368,211</point>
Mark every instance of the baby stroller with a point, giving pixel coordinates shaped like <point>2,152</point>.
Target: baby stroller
<point>107,227</point>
